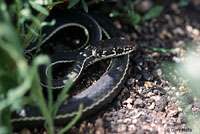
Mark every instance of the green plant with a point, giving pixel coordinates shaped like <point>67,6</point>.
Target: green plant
<point>134,18</point>
<point>183,3</point>
<point>75,2</point>
<point>18,27</point>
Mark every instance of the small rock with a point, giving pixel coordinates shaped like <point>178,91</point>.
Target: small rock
<point>139,103</point>
<point>196,32</point>
<point>150,94</point>
<point>147,84</point>
<point>118,24</point>
<point>189,28</point>
<point>129,106</point>
<point>178,20</point>
<point>172,111</point>
<point>131,81</point>
<point>132,128</point>
<point>144,6</point>
<point>159,72</point>
<point>146,127</point>
<point>121,128</point>
<point>160,105</point>
<point>176,59</point>
<point>100,130</point>
<point>181,88</point>
<point>120,115</point>
<point>134,121</point>
<point>188,108</point>
<point>25,131</point>
<point>156,98</point>
<point>119,120</point>
<point>147,75</point>
<point>140,131</point>
<point>119,104</point>
<point>179,31</point>
<point>127,120</point>
<point>129,101</point>
<point>152,106</point>
<point>99,122</point>
<point>194,109</point>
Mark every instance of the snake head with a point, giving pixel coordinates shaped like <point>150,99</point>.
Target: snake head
<point>114,47</point>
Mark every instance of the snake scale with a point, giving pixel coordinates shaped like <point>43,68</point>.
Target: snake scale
<point>115,46</point>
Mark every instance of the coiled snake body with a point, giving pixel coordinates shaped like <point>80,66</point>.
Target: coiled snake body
<point>95,49</point>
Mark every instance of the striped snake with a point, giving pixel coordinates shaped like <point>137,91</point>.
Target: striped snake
<point>113,46</point>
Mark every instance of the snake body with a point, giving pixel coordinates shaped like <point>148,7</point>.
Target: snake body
<point>98,94</point>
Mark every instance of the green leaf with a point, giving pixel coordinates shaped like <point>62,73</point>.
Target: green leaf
<point>183,3</point>
<point>134,18</point>
<point>115,14</point>
<point>154,12</point>
<point>43,2</point>
<point>39,8</point>
<point>54,4</point>
<point>163,50</point>
<point>72,3</point>
<point>85,7</point>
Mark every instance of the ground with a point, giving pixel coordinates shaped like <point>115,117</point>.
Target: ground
<point>155,98</point>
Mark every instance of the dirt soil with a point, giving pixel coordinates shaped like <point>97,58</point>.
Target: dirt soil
<point>150,102</point>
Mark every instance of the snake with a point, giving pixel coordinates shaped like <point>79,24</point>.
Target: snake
<point>115,46</point>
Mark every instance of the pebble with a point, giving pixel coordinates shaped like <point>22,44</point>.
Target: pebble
<point>152,106</point>
<point>118,24</point>
<point>181,88</point>
<point>127,120</point>
<point>196,32</point>
<point>131,81</point>
<point>179,31</point>
<point>194,109</point>
<point>146,127</point>
<point>189,28</point>
<point>178,20</point>
<point>119,120</point>
<point>160,105</point>
<point>139,103</point>
<point>150,94</point>
<point>144,6</point>
<point>129,106</point>
<point>99,122</point>
<point>156,98</point>
<point>147,75</point>
<point>25,131</point>
<point>119,104</point>
<point>120,115</point>
<point>172,110</point>
<point>147,84</point>
<point>140,131</point>
<point>159,72</point>
<point>134,121</point>
<point>100,130</point>
<point>129,101</point>
<point>121,128</point>
<point>132,128</point>
<point>176,59</point>
<point>180,109</point>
